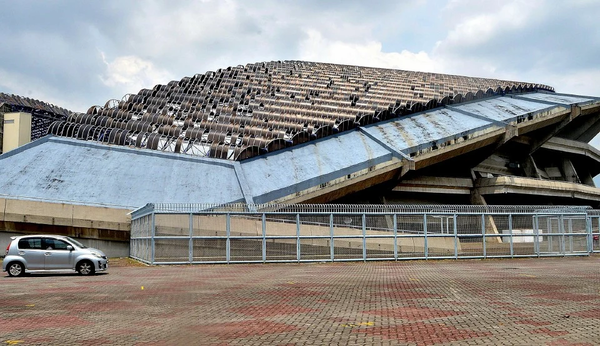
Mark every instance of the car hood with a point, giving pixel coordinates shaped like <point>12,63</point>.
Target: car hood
<point>91,249</point>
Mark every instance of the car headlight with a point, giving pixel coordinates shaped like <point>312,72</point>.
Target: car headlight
<point>96,254</point>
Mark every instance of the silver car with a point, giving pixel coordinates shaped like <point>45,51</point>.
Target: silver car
<point>51,252</point>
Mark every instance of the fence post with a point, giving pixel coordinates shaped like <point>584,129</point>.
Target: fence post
<point>228,237</point>
<point>561,229</point>
<point>536,233</point>
<point>152,253</point>
<point>396,237</point>
<point>483,235</point>
<point>264,237</point>
<point>298,237</point>
<point>364,236</point>
<point>425,245</point>
<point>191,243</point>
<point>331,249</point>
<point>455,236</point>
<point>589,237</point>
<point>510,234</point>
<point>570,235</point>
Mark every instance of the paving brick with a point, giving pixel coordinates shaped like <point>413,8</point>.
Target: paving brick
<point>547,301</point>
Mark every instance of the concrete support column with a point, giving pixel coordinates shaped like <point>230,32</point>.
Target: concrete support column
<point>490,225</point>
<point>569,171</point>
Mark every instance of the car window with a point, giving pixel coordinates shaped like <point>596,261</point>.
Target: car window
<point>55,244</point>
<point>30,243</point>
<point>76,243</point>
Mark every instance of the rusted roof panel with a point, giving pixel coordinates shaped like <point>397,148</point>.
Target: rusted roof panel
<point>504,109</point>
<point>427,129</point>
<point>558,98</point>
<point>244,111</point>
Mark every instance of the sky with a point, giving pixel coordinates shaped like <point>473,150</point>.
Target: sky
<point>76,54</point>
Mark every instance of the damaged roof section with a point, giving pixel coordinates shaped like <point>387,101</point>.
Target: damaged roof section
<point>241,112</point>
<point>334,165</point>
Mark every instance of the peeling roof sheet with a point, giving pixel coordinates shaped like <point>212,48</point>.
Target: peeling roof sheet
<point>56,168</point>
<point>422,130</point>
<point>244,111</point>
<point>504,108</point>
<point>558,98</point>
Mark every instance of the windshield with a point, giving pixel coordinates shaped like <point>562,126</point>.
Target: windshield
<point>78,244</point>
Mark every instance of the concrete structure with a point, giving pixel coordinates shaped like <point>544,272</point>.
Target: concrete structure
<point>452,152</point>
<point>97,226</point>
<point>297,132</point>
<point>17,130</point>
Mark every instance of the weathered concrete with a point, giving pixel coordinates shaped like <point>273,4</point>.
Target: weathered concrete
<point>102,227</point>
<point>528,186</point>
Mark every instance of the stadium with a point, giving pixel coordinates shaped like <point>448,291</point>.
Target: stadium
<point>320,161</point>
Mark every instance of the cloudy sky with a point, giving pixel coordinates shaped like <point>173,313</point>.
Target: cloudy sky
<point>77,54</point>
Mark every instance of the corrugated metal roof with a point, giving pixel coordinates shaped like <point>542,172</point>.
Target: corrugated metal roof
<point>243,111</point>
<point>90,173</point>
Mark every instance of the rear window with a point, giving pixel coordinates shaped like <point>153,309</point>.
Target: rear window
<point>30,243</point>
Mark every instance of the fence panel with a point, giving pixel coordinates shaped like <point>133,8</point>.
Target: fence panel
<point>379,236</point>
<point>273,233</point>
<point>496,243</point>
<point>172,250</point>
<point>207,225</point>
<point>411,232</point>
<point>470,235</point>
<point>595,228</point>
<point>440,235</point>
<point>315,237</point>
<point>209,250</point>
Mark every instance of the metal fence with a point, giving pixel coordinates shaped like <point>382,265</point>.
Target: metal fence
<point>239,233</point>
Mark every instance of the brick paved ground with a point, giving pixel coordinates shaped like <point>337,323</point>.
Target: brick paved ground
<point>552,301</point>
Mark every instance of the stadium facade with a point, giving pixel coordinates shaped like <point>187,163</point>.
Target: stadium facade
<point>301,132</point>
<point>310,132</point>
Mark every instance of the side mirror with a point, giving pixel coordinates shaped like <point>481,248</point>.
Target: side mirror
<point>69,247</point>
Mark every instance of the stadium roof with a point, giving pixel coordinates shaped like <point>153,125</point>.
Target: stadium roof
<point>241,112</point>
<point>81,172</point>
<point>43,113</point>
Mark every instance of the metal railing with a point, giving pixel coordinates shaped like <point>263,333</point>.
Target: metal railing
<point>239,233</point>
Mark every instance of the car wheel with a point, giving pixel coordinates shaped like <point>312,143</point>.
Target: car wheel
<point>15,269</point>
<point>85,268</point>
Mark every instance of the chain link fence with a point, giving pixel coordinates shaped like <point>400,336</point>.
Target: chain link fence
<point>240,233</point>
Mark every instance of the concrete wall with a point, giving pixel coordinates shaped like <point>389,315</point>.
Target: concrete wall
<point>110,248</point>
<point>87,218</point>
<point>100,227</point>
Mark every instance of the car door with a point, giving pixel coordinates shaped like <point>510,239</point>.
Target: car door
<point>30,249</point>
<point>56,254</point>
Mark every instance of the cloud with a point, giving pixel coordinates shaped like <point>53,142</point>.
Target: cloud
<point>318,48</point>
<point>36,88</point>
<point>151,42</point>
<point>129,74</point>
<point>538,41</point>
